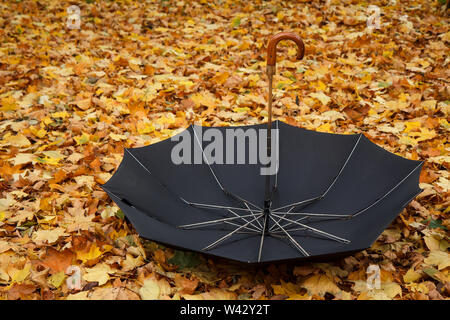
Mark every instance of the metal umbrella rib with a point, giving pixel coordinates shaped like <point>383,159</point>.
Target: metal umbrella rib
<point>357,213</point>
<point>294,205</point>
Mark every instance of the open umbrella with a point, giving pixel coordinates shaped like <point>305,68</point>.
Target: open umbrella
<point>264,192</point>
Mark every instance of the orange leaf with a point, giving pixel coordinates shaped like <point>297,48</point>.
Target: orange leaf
<point>186,286</point>
<point>95,164</point>
<point>59,176</point>
<point>20,291</point>
<point>45,204</point>
<point>57,261</point>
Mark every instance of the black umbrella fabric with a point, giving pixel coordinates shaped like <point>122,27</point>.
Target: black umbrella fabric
<point>335,194</point>
<point>329,194</point>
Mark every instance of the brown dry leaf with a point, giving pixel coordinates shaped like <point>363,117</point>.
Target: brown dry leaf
<point>214,294</point>
<point>320,284</point>
<point>105,293</point>
<point>184,285</point>
<point>21,291</point>
<point>57,261</point>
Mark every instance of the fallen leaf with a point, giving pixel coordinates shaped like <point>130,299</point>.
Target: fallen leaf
<point>48,236</point>
<point>438,258</point>
<point>320,284</point>
<point>100,273</point>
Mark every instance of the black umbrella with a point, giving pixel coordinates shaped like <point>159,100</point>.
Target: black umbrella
<point>205,189</point>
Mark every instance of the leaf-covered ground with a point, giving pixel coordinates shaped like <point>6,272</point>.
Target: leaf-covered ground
<point>137,72</point>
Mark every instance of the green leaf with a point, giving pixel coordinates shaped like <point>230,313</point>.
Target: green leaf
<point>185,260</point>
<point>26,225</point>
<point>444,245</point>
<point>280,85</point>
<point>431,272</point>
<point>236,22</point>
<point>57,279</point>
<point>434,224</point>
<point>384,84</point>
<point>130,240</point>
<point>120,215</point>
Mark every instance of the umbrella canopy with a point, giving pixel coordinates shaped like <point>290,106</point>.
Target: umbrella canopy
<point>205,191</point>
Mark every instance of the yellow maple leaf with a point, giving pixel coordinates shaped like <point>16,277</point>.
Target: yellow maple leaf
<point>220,77</point>
<point>432,243</point>
<point>8,104</point>
<point>40,133</point>
<point>205,99</point>
<point>428,104</point>
<point>100,273</point>
<point>412,126</point>
<point>326,127</point>
<point>285,288</point>
<point>16,140</point>
<point>154,289</point>
<point>51,157</point>
<point>440,259</point>
<point>60,114</point>
<point>117,137</point>
<point>322,97</point>
<point>21,275</point>
<point>48,236</point>
<point>387,291</point>
<point>425,134</point>
<point>82,139</point>
<point>93,253</point>
<point>144,127</point>
<point>150,290</point>
<point>130,263</point>
<point>241,110</point>
<point>57,279</point>
<point>411,276</point>
<point>320,86</point>
<point>408,141</point>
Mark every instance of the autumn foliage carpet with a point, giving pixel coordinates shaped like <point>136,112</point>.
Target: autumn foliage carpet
<point>138,72</point>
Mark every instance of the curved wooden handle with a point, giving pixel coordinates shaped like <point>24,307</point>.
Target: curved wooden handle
<point>272,46</point>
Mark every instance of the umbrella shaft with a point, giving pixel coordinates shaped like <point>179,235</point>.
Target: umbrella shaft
<point>268,189</point>
<point>270,72</point>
